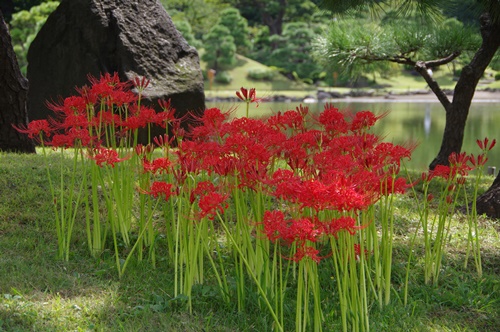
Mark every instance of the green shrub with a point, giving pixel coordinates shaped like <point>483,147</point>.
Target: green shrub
<point>497,76</point>
<point>261,74</point>
<point>223,77</point>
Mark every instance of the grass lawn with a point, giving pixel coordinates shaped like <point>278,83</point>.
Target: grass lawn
<point>40,293</point>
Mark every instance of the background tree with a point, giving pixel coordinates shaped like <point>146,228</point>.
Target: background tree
<point>275,13</point>
<point>9,7</point>
<point>13,95</point>
<point>238,27</point>
<point>411,47</point>
<point>200,14</point>
<point>25,25</point>
<point>294,50</point>
<point>187,32</point>
<point>220,49</point>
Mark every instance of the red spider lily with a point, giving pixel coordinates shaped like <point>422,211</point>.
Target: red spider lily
<point>78,121</point>
<point>306,251</point>
<point>73,105</point>
<point>157,166</point>
<point>165,105</point>
<point>142,150</point>
<point>334,226</point>
<point>202,188</point>
<point>178,131</point>
<point>357,251</point>
<point>333,121</point>
<point>105,85</point>
<point>106,156</point>
<point>290,119</point>
<point>441,171</point>
<point>108,118</point>
<point>163,141</point>
<point>211,204</point>
<point>483,145</point>
<point>211,123</point>
<point>87,94</point>
<point>300,230</point>
<point>141,83</point>
<point>162,119</point>
<point>364,120</point>
<point>478,161</point>
<point>147,115</point>
<point>121,98</point>
<point>248,96</point>
<point>73,137</point>
<point>284,184</point>
<point>60,140</point>
<point>160,189</point>
<point>388,185</point>
<point>134,122</point>
<point>459,163</point>
<point>35,128</point>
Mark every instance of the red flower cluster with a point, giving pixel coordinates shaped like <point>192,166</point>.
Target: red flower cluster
<point>160,189</point>
<point>329,163</point>
<point>304,232</point>
<point>105,113</point>
<point>106,156</point>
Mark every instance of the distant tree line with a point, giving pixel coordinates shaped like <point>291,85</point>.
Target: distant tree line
<point>282,34</point>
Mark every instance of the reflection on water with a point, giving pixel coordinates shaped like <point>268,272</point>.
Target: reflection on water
<point>408,122</point>
<point>427,120</point>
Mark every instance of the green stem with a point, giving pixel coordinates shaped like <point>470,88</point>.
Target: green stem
<point>261,291</point>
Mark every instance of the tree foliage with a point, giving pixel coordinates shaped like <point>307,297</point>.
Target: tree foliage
<point>355,46</point>
<point>294,51</point>
<point>187,32</point>
<point>200,14</point>
<point>24,28</point>
<point>238,26</point>
<point>220,49</point>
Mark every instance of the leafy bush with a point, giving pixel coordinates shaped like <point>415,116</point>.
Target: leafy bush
<point>497,77</point>
<point>261,74</point>
<point>223,77</point>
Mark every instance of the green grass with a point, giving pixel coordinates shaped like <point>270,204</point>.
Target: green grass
<point>40,293</point>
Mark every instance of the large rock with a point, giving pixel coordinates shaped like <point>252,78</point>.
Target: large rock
<point>131,37</point>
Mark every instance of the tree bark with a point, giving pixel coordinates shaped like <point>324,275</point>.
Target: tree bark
<point>458,110</point>
<point>7,7</point>
<point>13,97</point>
<point>489,202</point>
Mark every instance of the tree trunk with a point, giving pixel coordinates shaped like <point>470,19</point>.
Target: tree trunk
<point>458,110</point>
<point>7,7</point>
<point>489,202</point>
<point>13,97</point>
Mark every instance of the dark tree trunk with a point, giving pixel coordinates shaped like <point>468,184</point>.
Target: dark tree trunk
<point>7,8</point>
<point>489,202</point>
<point>13,97</point>
<point>458,110</point>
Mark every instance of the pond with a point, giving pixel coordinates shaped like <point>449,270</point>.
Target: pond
<point>421,122</point>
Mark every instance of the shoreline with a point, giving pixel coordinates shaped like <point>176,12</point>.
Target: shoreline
<point>423,96</point>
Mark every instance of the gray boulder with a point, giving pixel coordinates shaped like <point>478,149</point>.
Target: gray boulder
<point>131,37</point>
